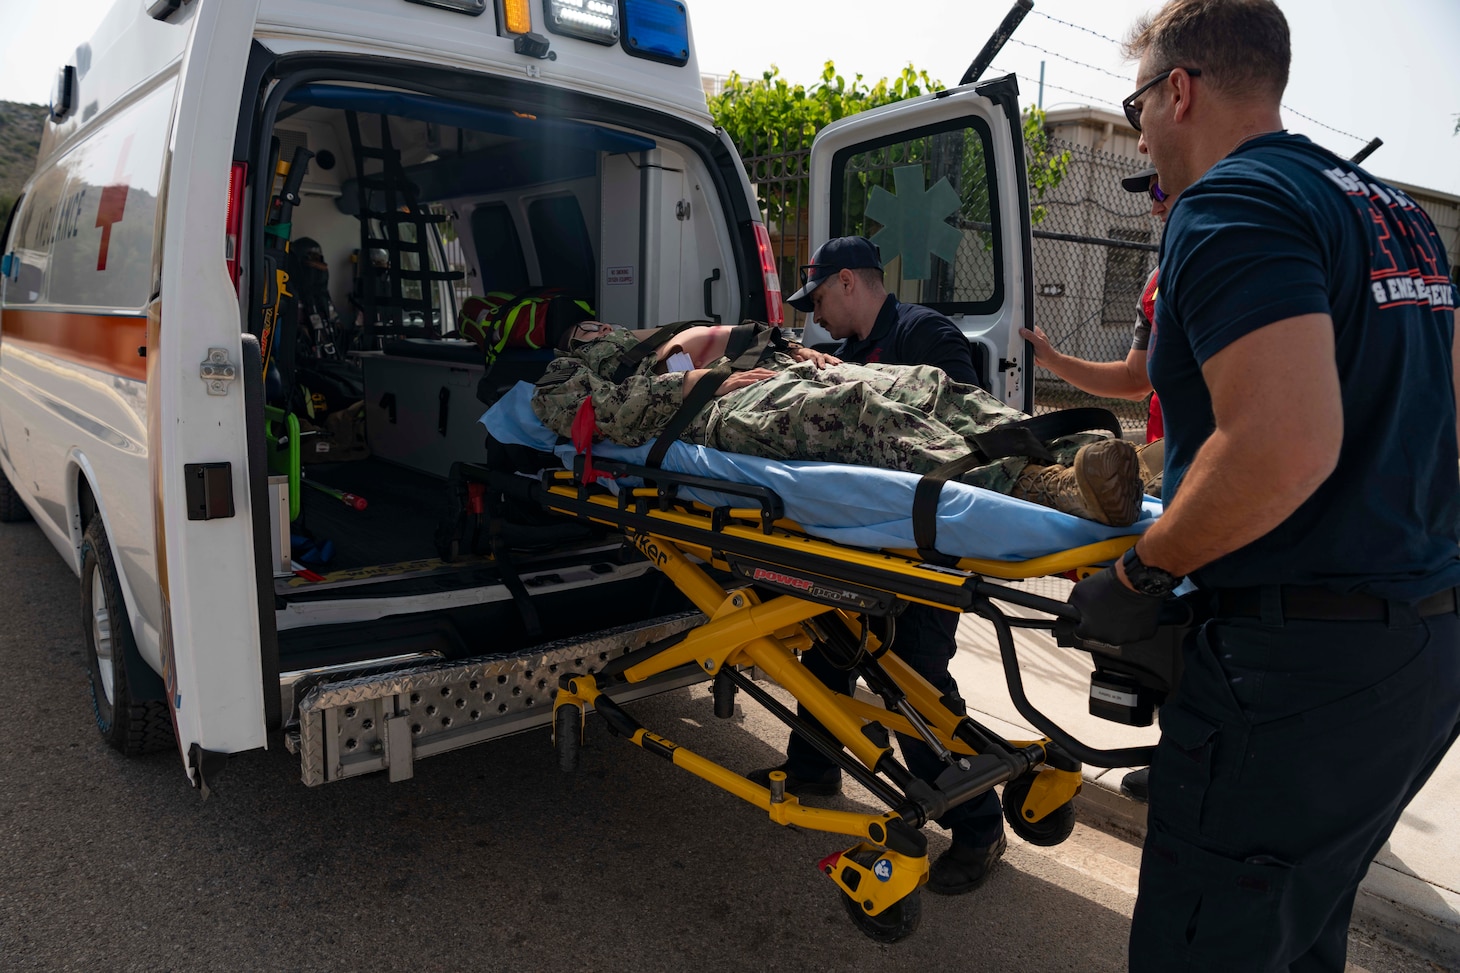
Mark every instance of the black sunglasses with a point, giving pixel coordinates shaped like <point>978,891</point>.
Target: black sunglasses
<point>809,270</point>
<point>1132,113</point>
<point>1157,193</point>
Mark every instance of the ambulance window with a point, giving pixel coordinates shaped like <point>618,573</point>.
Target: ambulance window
<point>106,228</point>
<point>34,230</point>
<point>499,249</point>
<point>564,253</point>
<point>925,199</point>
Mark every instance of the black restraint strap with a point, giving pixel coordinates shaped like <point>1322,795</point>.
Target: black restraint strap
<point>747,345</point>
<point>648,346</point>
<point>1026,437</point>
<point>1067,422</point>
<point>698,398</point>
<point>925,506</point>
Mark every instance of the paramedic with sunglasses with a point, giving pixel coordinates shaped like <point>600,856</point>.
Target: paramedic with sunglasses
<point>844,287</point>
<point>1305,363</point>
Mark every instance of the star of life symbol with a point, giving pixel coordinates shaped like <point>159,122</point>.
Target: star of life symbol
<point>913,221</point>
<point>883,869</point>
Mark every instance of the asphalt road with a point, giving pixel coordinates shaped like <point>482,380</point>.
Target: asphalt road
<point>488,859</point>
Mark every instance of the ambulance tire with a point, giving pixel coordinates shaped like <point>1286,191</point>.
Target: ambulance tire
<point>131,725</point>
<point>12,508</point>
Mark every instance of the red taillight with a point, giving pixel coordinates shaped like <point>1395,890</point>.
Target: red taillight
<point>773,312</point>
<point>233,222</point>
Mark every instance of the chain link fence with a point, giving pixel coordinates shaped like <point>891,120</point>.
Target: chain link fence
<point>1093,251</point>
<point>779,166</point>
<point>1094,246</point>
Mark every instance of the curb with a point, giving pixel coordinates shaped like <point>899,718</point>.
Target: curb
<point>1392,905</point>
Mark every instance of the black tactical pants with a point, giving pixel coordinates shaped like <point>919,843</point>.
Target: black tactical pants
<point>925,638</point>
<point>1285,760</point>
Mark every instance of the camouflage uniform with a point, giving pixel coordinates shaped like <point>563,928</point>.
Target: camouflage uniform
<point>904,417</point>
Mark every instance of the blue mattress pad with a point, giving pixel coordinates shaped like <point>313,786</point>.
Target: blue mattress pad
<point>860,506</point>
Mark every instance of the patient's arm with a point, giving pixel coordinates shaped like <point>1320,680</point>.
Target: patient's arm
<point>736,380</point>
<point>821,358</point>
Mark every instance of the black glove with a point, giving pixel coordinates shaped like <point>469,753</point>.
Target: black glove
<point>1111,613</point>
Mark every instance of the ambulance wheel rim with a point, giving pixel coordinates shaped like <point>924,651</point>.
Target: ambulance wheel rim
<point>101,637</point>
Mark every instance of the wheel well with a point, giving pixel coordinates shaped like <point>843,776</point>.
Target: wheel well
<point>85,501</point>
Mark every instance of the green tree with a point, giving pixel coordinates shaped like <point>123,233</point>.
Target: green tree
<point>770,117</point>
<point>771,114</point>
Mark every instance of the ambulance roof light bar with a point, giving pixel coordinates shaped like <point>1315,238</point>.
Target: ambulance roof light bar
<point>591,20</point>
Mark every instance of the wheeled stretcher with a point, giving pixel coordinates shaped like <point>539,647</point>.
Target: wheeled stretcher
<point>768,590</point>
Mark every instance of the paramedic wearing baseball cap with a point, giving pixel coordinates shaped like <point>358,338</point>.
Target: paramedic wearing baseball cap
<point>843,287</point>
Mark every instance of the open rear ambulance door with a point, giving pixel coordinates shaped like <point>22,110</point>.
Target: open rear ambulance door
<point>196,410</point>
<point>939,184</point>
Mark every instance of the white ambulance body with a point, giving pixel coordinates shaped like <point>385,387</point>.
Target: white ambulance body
<point>552,144</point>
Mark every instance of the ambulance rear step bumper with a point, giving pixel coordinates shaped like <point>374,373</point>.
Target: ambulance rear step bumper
<point>387,721</point>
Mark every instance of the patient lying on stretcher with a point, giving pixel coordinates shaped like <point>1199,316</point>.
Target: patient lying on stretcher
<point>786,402</point>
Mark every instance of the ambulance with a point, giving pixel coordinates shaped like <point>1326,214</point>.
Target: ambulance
<point>234,382</point>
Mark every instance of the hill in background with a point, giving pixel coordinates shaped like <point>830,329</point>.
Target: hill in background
<point>20,140</point>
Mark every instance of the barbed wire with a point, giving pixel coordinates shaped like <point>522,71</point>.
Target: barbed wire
<point>1112,40</point>
<point>1092,67</point>
<point>1078,27</point>
<point>1068,91</point>
<point>1315,121</point>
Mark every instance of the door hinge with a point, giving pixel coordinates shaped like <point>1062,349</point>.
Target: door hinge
<point>217,371</point>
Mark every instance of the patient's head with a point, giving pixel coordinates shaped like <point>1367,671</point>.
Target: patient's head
<point>599,346</point>
<point>579,333</point>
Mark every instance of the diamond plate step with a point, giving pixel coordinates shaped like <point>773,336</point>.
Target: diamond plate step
<point>388,721</point>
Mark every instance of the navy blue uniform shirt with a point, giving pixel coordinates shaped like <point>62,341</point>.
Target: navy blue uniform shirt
<point>1281,228</point>
<point>910,334</point>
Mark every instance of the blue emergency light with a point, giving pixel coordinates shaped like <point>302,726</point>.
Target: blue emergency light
<point>657,30</point>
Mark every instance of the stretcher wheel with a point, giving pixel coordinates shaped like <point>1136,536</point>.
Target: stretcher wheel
<point>1049,830</point>
<point>896,922</point>
<point>724,693</point>
<point>568,735</point>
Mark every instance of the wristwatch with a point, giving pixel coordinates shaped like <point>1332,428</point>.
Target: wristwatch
<point>1146,579</point>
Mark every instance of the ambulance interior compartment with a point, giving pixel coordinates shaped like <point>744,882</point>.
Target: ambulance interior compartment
<point>633,220</point>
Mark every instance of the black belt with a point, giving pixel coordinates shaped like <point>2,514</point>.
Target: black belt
<point>1323,604</point>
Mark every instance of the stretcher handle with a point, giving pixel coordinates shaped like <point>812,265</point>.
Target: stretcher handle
<point>1120,757</point>
<point>1024,599</point>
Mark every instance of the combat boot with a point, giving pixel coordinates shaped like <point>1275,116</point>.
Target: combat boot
<point>1103,484</point>
<point>1152,457</point>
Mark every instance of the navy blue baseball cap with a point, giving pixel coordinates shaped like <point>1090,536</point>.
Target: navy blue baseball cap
<point>833,256</point>
<point>1139,182</point>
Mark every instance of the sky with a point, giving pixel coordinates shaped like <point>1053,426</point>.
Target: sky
<point>1358,72</point>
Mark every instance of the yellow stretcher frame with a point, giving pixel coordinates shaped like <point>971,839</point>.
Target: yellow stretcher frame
<point>881,874</point>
